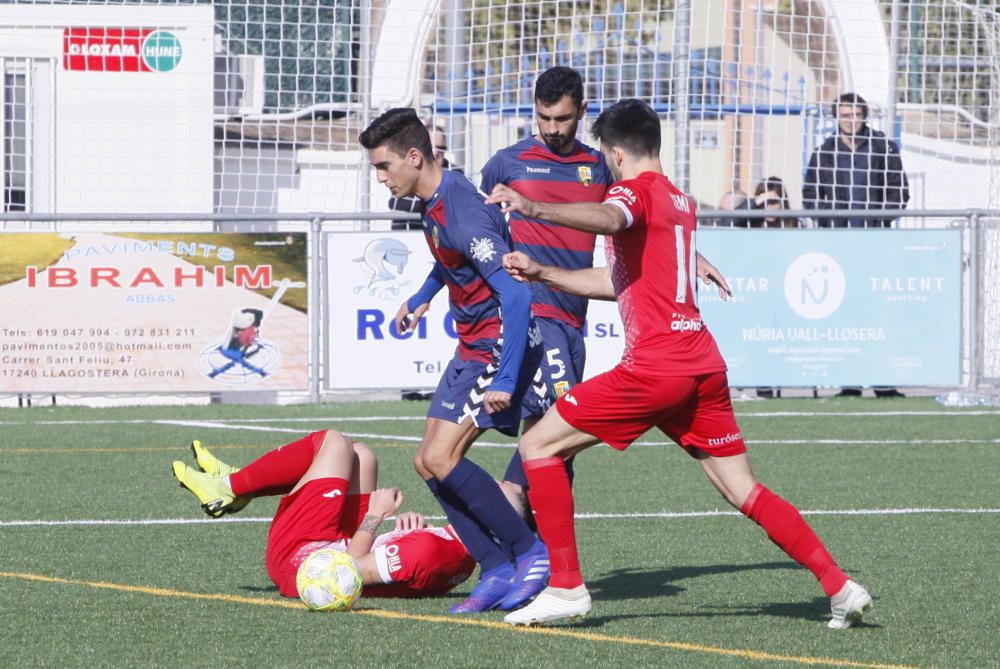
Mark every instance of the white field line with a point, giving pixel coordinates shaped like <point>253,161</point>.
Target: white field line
<point>668,515</point>
<point>321,420</point>
<point>240,426</point>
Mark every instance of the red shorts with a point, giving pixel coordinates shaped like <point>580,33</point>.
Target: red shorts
<point>619,406</point>
<point>318,513</point>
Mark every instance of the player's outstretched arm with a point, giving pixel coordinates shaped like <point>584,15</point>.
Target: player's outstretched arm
<point>585,216</point>
<point>592,282</point>
<point>708,273</point>
<point>410,312</point>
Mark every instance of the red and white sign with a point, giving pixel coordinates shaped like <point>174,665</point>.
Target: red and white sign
<point>105,49</point>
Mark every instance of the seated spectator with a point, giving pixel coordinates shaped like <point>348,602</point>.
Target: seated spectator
<point>772,194</point>
<point>734,200</point>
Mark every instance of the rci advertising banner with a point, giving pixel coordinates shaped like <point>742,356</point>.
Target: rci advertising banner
<point>136,312</point>
<point>370,275</point>
<point>837,307</point>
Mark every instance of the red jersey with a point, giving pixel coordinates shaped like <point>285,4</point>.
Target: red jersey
<point>418,563</point>
<point>652,264</point>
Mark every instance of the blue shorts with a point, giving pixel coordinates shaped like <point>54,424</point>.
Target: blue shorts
<point>561,367</point>
<point>461,390</point>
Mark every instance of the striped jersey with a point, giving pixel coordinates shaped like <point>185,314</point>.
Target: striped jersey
<point>468,238</point>
<point>653,268</point>
<point>531,168</point>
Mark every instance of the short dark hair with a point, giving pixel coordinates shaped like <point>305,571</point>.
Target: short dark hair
<point>631,125</point>
<point>556,82</point>
<point>401,130</point>
<point>852,99</point>
<point>773,185</point>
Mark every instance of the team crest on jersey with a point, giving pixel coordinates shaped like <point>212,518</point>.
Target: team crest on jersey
<point>585,175</point>
<point>560,388</point>
<point>436,237</point>
<point>482,249</point>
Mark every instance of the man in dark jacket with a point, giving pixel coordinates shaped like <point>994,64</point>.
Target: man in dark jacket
<point>855,168</point>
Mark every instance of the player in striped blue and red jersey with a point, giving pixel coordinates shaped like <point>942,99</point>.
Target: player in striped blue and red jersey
<point>498,353</point>
<point>552,166</point>
<point>671,375</point>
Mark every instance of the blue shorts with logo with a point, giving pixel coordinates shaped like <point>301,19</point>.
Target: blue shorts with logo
<point>462,388</point>
<point>561,367</point>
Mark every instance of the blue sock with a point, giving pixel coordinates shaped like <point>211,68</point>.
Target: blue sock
<point>482,496</point>
<point>478,542</point>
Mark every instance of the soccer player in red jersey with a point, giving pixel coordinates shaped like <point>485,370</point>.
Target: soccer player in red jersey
<point>671,375</point>
<point>330,501</point>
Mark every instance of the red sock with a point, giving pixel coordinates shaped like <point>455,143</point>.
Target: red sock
<point>276,472</point>
<point>786,527</point>
<point>552,501</point>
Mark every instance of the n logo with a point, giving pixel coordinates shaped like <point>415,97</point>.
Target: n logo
<point>814,285</point>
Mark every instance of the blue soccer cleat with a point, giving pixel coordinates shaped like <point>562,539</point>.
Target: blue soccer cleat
<point>493,586</point>
<point>530,576</point>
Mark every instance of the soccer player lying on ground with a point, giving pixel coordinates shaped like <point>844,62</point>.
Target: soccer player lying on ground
<point>331,502</point>
<point>498,353</point>
<point>671,375</point>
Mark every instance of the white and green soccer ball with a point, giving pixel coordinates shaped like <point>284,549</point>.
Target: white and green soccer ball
<point>329,580</point>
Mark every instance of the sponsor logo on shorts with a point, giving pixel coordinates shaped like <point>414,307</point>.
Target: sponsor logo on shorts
<point>571,399</point>
<point>333,493</point>
<point>448,405</point>
<point>728,439</point>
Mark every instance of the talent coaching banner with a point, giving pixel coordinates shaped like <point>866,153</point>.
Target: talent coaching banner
<point>837,307</point>
<point>134,312</point>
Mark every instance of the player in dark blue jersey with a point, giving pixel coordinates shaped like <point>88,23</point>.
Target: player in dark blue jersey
<point>498,354</point>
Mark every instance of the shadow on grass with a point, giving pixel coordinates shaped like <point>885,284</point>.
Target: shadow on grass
<point>635,583</point>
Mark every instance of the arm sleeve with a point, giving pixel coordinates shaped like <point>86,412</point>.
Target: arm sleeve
<point>810,184</point>
<point>432,285</point>
<point>491,175</point>
<point>897,187</point>
<point>625,196</point>
<point>515,306</point>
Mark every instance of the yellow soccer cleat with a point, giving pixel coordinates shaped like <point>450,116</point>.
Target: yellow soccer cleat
<point>213,466</point>
<point>215,496</point>
<point>210,464</point>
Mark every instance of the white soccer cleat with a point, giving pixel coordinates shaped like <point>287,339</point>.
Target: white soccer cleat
<point>552,604</point>
<point>848,605</point>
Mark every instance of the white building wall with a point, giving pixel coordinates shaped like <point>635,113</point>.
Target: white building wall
<point>122,141</point>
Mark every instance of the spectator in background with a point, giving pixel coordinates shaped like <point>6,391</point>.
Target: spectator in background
<point>414,204</point>
<point>772,194</point>
<point>856,168</point>
<point>734,200</point>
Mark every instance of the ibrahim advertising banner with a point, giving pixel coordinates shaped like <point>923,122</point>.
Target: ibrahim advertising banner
<point>837,307</point>
<point>370,275</point>
<point>124,312</point>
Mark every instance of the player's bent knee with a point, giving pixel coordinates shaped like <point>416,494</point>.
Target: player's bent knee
<point>438,463</point>
<point>335,443</point>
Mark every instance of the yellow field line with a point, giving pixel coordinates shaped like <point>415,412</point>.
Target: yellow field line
<point>447,620</point>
